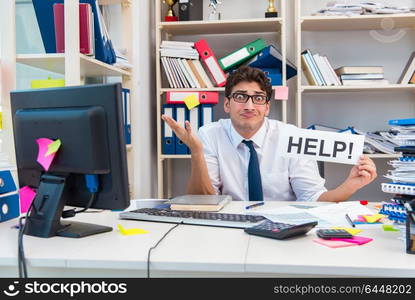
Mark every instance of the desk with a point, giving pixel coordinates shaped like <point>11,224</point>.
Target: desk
<point>200,251</point>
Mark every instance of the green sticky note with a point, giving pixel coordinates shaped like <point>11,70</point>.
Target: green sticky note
<point>389,228</point>
<point>53,147</point>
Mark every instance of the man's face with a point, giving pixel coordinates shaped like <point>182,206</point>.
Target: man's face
<point>246,117</point>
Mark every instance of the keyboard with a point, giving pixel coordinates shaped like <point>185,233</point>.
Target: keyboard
<point>193,217</point>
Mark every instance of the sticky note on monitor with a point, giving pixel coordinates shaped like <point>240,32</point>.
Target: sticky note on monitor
<point>27,195</point>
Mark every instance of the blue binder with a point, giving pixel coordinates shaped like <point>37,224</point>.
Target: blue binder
<point>193,118</point>
<point>181,113</point>
<point>168,137</point>
<point>127,115</point>
<point>104,50</point>
<point>7,184</point>
<point>402,122</point>
<point>10,208</point>
<point>274,75</point>
<point>206,114</point>
<point>271,58</point>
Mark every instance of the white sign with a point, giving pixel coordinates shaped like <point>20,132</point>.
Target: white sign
<point>320,145</point>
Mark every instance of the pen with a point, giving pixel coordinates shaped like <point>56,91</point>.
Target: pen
<point>349,220</point>
<point>254,205</point>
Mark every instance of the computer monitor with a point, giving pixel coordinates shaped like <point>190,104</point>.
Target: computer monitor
<point>89,122</point>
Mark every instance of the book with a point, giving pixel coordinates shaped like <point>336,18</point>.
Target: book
<point>199,202</point>
<point>361,76</point>
<point>307,71</point>
<point>359,70</point>
<point>366,82</point>
<point>408,70</point>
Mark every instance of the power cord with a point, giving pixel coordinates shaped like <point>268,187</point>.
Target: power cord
<point>21,259</point>
<point>155,246</point>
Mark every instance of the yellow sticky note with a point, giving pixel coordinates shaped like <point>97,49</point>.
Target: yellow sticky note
<point>374,218</point>
<point>131,231</point>
<point>1,120</point>
<point>53,147</point>
<point>191,101</point>
<point>352,231</point>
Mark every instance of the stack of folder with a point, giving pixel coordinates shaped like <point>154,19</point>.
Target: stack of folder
<point>198,116</point>
<point>9,197</point>
<point>52,32</point>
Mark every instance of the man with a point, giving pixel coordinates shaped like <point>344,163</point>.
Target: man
<point>237,156</point>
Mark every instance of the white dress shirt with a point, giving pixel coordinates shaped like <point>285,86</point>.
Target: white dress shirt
<point>282,178</point>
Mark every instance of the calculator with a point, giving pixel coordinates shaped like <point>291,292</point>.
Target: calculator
<point>279,231</point>
<point>333,233</point>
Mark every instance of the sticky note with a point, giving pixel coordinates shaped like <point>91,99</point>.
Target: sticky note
<point>42,158</point>
<point>374,218</point>
<point>53,147</point>
<point>352,231</point>
<point>389,228</point>
<point>359,240</point>
<point>27,195</point>
<point>281,93</point>
<point>191,101</point>
<point>130,231</point>
<point>333,244</point>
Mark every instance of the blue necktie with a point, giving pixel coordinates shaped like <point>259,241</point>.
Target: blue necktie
<point>254,175</point>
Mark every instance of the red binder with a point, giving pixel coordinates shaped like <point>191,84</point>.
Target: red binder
<point>204,97</point>
<point>211,62</point>
<point>85,28</point>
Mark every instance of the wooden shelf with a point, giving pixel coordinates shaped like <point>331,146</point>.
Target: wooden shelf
<point>214,89</point>
<point>129,147</point>
<point>55,62</point>
<point>222,26</point>
<point>357,88</point>
<point>175,156</point>
<point>113,2</point>
<point>361,22</point>
<point>382,155</point>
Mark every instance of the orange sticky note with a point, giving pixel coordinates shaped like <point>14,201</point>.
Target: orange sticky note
<point>42,158</point>
<point>27,195</point>
<point>281,93</point>
<point>191,101</point>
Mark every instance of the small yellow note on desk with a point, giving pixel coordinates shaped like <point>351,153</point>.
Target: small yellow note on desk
<point>191,101</point>
<point>352,231</point>
<point>130,231</point>
<point>374,218</point>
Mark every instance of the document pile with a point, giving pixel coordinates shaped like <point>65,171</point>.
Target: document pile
<point>340,8</point>
<point>402,132</point>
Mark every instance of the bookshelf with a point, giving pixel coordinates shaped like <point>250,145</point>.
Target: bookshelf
<point>75,67</point>
<point>331,25</point>
<point>218,29</point>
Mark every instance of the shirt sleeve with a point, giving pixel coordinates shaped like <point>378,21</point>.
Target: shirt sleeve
<point>305,179</point>
<point>211,158</point>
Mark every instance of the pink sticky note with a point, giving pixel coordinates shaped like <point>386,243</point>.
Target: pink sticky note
<point>27,195</point>
<point>359,240</point>
<point>333,244</point>
<point>281,93</point>
<point>44,160</point>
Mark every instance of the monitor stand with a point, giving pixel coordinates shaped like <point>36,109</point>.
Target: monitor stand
<point>45,215</point>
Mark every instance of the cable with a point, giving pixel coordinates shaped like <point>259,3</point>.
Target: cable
<point>72,212</point>
<point>155,246</point>
<point>21,259</point>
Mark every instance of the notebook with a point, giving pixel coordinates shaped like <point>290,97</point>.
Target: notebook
<point>199,202</point>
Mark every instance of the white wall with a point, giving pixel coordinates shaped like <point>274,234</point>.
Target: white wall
<point>366,111</point>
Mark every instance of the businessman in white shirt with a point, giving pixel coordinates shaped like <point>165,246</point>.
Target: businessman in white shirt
<point>237,156</point>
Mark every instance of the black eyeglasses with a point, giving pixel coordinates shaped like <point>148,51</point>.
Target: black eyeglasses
<point>243,98</point>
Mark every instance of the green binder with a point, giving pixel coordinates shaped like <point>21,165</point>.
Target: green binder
<point>241,55</point>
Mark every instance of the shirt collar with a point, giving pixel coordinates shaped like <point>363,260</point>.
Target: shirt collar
<point>258,138</point>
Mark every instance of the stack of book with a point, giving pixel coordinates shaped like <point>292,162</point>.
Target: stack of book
<point>199,202</point>
<point>402,132</point>
<point>361,75</point>
<point>318,70</point>
<point>339,8</point>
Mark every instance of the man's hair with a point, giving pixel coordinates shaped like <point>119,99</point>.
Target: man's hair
<point>248,74</point>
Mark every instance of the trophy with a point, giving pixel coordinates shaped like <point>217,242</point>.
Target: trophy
<point>170,17</point>
<point>214,14</point>
<point>271,11</point>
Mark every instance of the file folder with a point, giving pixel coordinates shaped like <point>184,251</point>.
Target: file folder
<point>203,97</point>
<point>270,57</point>
<point>9,205</point>
<point>193,117</point>
<point>7,184</point>
<point>168,138</point>
<point>181,117</point>
<point>206,114</point>
<point>211,62</point>
<point>402,122</point>
<point>274,76</point>
<point>190,10</point>
<point>127,115</point>
<point>242,55</point>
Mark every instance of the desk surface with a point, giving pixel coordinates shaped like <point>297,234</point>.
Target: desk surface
<point>200,251</point>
